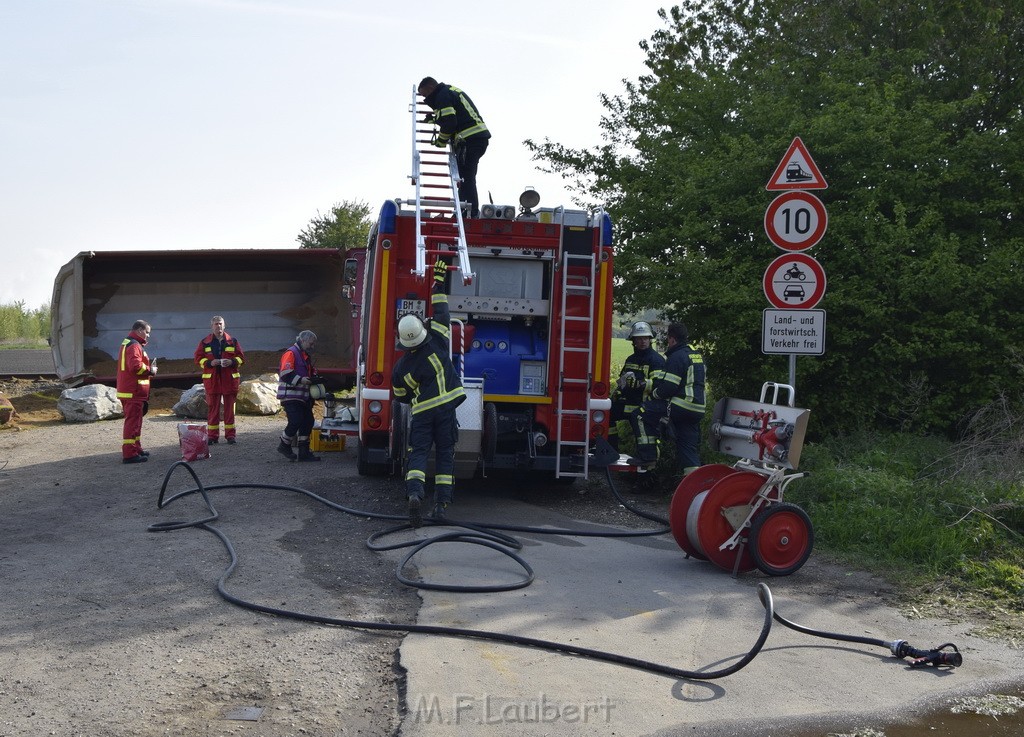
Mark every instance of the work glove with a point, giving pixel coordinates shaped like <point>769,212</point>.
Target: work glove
<point>440,271</point>
<point>440,140</point>
<point>630,380</point>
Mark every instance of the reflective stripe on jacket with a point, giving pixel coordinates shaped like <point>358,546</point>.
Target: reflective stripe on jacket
<point>133,370</point>
<point>220,379</point>
<point>681,382</point>
<point>295,364</point>
<point>646,363</point>
<point>424,376</point>
<point>455,114</point>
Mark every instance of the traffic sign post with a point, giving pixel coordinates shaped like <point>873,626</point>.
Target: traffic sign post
<point>793,331</point>
<point>794,283</point>
<point>795,221</point>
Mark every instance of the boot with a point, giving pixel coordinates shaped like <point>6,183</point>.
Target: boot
<point>415,511</point>
<point>285,449</point>
<point>305,454</point>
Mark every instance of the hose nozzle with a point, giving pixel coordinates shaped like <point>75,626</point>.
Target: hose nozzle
<point>938,656</point>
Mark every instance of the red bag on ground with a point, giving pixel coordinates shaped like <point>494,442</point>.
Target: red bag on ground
<point>194,441</point>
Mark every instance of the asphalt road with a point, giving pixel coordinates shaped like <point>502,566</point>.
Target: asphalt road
<point>26,362</point>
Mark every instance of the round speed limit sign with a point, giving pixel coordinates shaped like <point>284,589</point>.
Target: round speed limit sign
<point>795,221</point>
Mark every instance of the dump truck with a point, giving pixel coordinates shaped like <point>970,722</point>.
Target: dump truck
<point>266,296</point>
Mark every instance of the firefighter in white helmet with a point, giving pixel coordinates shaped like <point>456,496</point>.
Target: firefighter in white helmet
<point>629,393</point>
<point>425,378</point>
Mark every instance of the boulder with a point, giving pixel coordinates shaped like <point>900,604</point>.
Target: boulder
<point>192,403</point>
<point>258,397</point>
<point>89,403</point>
<point>6,410</point>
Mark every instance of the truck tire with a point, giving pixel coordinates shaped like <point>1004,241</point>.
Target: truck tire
<point>490,439</point>
<point>400,415</point>
<point>363,465</point>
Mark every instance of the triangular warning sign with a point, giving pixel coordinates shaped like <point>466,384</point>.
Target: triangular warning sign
<point>797,170</point>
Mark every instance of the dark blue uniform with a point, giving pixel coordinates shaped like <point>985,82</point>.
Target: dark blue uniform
<point>425,378</point>
<point>678,393</point>
<point>642,364</point>
<point>461,123</point>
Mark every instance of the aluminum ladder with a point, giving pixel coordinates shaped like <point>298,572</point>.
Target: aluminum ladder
<point>575,296</point>
<point>435,173</point>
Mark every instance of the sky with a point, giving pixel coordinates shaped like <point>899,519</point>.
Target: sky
<point>184,124</point>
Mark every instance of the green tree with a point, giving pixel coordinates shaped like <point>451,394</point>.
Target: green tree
<point>346,226</point>
<point>913,113</point>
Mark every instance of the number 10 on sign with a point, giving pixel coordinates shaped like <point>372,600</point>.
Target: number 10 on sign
<point>795,221</point>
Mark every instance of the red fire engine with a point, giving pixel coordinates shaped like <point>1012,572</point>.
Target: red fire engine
<point>530,294</point>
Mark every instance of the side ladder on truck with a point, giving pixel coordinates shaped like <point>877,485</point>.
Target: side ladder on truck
<point>575,364</point>
<point>435,172</point>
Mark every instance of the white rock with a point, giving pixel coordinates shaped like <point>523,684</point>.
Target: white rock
<point>89,403</point>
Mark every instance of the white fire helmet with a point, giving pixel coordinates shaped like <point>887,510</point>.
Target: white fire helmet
<point>411,331</point>
<point>640,330</point>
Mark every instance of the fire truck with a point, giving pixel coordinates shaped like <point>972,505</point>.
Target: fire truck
<point>530,294</point>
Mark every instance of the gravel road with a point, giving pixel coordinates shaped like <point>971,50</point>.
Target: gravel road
<point>109,629</point>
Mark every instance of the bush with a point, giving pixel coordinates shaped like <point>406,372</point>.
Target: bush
<point>21,326</point>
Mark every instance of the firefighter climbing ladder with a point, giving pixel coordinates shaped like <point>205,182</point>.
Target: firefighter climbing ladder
<point>574,375</point>
<point>438,210</point>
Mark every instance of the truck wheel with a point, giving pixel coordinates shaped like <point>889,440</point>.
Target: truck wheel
<point>490,439</point>
<point>363,465</point>
<point>399,436</point>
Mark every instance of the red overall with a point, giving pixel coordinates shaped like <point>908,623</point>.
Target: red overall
<point>133,372</point>
<point>221,382</point>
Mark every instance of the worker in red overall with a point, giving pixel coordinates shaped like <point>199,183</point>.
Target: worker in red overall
<point>133,371</point>
<point>220,357</point>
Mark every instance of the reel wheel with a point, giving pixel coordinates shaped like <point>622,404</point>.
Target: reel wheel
<point>781,539</point>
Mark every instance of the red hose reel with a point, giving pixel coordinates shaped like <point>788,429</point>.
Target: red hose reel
<point>735,516</point>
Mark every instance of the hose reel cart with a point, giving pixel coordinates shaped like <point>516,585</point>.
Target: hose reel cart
<point>735,516</point>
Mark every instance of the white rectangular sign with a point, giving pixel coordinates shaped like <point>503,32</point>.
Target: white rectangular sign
<point>794,332</point>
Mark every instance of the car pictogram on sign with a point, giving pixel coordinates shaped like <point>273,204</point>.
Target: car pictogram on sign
<point>794,290</point>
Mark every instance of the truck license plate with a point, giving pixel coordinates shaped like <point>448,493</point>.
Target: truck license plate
<point>416,307</point>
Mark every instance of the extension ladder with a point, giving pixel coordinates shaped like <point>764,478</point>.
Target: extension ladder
<point>575,363</point>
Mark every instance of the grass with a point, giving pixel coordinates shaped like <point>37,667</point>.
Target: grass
<point>24,345</point>
<point>890,503</point>
<point>621,350</point>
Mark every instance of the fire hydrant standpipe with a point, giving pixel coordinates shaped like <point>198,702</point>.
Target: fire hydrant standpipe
<point>946,655</point>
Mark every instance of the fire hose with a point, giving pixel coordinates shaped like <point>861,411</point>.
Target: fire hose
<point>947,655</point>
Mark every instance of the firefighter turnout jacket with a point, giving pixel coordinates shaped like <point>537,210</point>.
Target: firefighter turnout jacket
<point>643,364</point>
<point>455,114</point>
<point>681,382</point>
<point>220,379</point>
<point>424,376</point>
<point>133,369</point>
